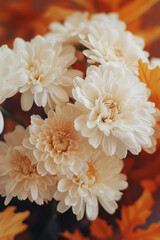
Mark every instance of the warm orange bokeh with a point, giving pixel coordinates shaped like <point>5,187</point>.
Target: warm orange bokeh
<point>21,19</point>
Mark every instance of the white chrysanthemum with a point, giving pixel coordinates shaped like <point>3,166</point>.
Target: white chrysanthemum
<point>116,113</point>
<point>100,181</point>
<point>1,123</point>
<point>46,67</point>
<point>18,175</point>
<point>108,19</point>
<point>11,78</point>
<point>55,142</point>
<point>106,41</point>
<point>69,31</point>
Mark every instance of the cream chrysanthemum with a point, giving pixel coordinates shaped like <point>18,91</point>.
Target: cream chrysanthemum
<point>70,30</point>
<point>46,64</point>
<point>116,113</point>
<point>100,181</point>
<point>110,19</point>
<point>11,77</point>
<point>107,40</point>
<point>55,143</point>
<point>18,174</point>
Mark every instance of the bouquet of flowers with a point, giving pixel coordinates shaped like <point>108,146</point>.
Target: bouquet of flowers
<point>90,100</point>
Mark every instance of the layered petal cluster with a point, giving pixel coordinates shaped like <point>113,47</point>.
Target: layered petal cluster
<point>108,41</point>
<point>116,113</point>
<point>78,24</point>
<point>100,181</point>
<point>18,174</point>
<point>46,64</point>
<point>11,77</point>
<point>55,143</point>
<point>74,153</point>
<point>70,30</point>
<point>104,36</point>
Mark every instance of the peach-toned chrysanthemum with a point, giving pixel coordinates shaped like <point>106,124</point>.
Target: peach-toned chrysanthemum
<point>107,40</point>
<point>116,113</point>
<point>100,181</point>
<point>18,174</point>
<point>46,66</point>
<point>55,142</point>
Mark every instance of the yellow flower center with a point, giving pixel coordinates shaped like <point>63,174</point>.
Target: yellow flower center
<point>118,52</point>
<point>108,108</point>
<point>88,179</point>
<point>60,141</point>
<point>91,172</point>
<point>26,166</point>
<point>35,72</point>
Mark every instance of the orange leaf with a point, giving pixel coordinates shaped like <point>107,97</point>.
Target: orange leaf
<point>11,223</point>
<point>100,229</point>
<point>152,233</point>
<point>77,235</point>
<point>149,185</point>
<point>135,215</point>
<point>151,77</point>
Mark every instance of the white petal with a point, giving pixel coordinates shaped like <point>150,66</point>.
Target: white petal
<point>1,122</point>
<point>62,207</point>
<point>26,100</point>
<point>109,145</point>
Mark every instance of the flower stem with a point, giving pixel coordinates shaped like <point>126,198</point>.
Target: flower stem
<point>86,63</point>
<point>9,115</point>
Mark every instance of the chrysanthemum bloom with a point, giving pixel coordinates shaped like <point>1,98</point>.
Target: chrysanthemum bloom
<point>11,78</point>
<point>69,31</point>
<point>108,41</point>
<point>108,19</point>
<point>116,113</point>
<point>55,142</point>
<point>46,67</point>
<point>76,25</point>
<point>100,181</point>
<point>18,175</point>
